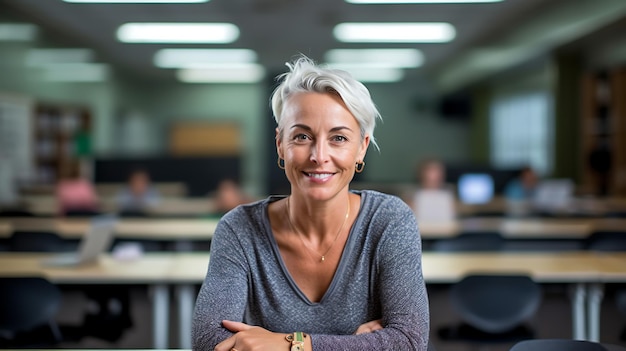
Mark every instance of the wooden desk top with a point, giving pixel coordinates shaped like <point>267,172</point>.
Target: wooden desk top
<point>203,228</point>
<point>150,269</point>
<point>437,267</point>
<point>524,228</point>
<point>542,267</point>
<point>612,266</point>
<point>135,228</point>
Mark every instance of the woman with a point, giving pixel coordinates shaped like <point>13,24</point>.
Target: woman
<point>325,268</point>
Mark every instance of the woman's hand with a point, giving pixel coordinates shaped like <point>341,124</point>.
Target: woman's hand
<point>251,338</point>
<point>369,327</point>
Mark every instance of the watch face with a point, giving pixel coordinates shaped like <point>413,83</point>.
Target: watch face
<point>298,347</point>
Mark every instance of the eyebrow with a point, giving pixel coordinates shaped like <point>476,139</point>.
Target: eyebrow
<point>304,126</point>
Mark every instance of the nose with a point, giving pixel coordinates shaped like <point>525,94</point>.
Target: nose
<point>319,153</point>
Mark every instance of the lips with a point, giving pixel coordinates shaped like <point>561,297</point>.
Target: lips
<point>320,176</point>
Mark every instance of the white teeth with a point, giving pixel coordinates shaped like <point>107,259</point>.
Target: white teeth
<point>320,175</point>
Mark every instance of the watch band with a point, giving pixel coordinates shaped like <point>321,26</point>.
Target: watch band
<point>297,341</point>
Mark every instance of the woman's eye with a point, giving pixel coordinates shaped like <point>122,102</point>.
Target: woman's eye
<point>300,137</point>
<point>339,138</point>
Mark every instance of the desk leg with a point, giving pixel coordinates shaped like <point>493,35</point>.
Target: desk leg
<point>160,310</point>
<point>594,302</point>
<point>578,311</point>
<point>186,300</point>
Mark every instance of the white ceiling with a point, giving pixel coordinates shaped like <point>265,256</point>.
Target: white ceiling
<point>490,37</point>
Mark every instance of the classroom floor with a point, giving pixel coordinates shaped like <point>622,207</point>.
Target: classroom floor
<point>551,321</point>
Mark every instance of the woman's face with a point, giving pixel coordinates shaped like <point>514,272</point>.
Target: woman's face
<point>320,143</point>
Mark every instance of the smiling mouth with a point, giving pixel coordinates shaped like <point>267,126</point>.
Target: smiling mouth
<point>319,175</point>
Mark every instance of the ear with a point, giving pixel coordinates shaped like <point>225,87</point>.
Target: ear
<point>363,147</point>
<point>279,144</point>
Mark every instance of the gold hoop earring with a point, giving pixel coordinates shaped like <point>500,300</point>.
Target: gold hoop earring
<point>281,163</point>
<point>359,166</point>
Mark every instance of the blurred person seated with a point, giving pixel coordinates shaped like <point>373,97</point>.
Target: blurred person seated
<point>433,201</point>
<point>431,174</point>
<point>523,186</point>
<point>520,191</point>
<point>75,194</point>
<point>139,195</point>
<point>229,195</point>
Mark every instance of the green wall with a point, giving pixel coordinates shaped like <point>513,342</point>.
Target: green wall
<point>410,131</point>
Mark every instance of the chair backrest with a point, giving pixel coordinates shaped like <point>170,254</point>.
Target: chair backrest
<point>27,302</point>
<point>495,303</point>
<point>562,344</point>
<point>607,241</point>
<point>488,241</point>
<point>612,347</point>
<point>26,241</point>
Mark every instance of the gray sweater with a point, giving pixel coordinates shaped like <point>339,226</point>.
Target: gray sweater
<point>379,276</point>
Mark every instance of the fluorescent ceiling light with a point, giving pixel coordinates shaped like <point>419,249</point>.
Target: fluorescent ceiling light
<point>400,58</point>
<point>432,32</point>
<point>75,72</point>
<point>199,58</point>
<point>17,32</point>
<point>42,57</point>
<point>136,1</point>
<point>419,1</point>
<point>371,74</point>
<point>215,33</point>
<point>223,73</point>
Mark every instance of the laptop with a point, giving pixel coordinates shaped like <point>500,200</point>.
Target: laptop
<point>96,241</point>
<point>553,194</point>
<point>434,206</point>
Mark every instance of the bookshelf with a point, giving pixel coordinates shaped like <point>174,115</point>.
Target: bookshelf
<point>603,129</point>
<point>61,137</point>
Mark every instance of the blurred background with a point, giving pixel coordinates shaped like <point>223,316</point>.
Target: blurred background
<point>500,118</point>
<point>511,83</point>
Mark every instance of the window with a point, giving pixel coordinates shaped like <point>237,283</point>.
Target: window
<point>521,131</point>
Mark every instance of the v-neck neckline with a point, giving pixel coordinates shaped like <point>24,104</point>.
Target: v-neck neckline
<point>346,252</point>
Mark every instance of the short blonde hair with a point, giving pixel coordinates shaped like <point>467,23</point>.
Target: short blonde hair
<point>305,76</point>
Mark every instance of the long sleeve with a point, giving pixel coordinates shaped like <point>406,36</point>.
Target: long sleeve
<point>223,294</point>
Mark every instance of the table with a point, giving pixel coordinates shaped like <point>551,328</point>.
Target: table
<point>133,228</point>
<point>585,271</point>
<point>159,271</point>
<point>523,228</point>
<point>612,269</point>
<point>203,228</point>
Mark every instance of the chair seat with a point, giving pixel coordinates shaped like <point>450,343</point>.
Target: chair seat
<point>27,315</point>
<point>466,332</point>
<point>563,344</point>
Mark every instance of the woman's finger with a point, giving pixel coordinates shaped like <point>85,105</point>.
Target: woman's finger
<point>226,345</point>
<point>235,327</point>
<point>369,327</point>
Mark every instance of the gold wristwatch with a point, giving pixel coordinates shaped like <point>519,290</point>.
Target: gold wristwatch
<point>297,341</point>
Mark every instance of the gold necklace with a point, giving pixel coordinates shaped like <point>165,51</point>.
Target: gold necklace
<point>300,235</point>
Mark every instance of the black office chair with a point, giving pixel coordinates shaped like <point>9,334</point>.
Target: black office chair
<point>563,344</point>
<point>493,308</point>
<point>472,242</point>
<point>25,241</point>
<point>607,241</point>
<point>29,306</point>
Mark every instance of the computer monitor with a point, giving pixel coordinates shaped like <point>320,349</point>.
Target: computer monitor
<point>475,188</point>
